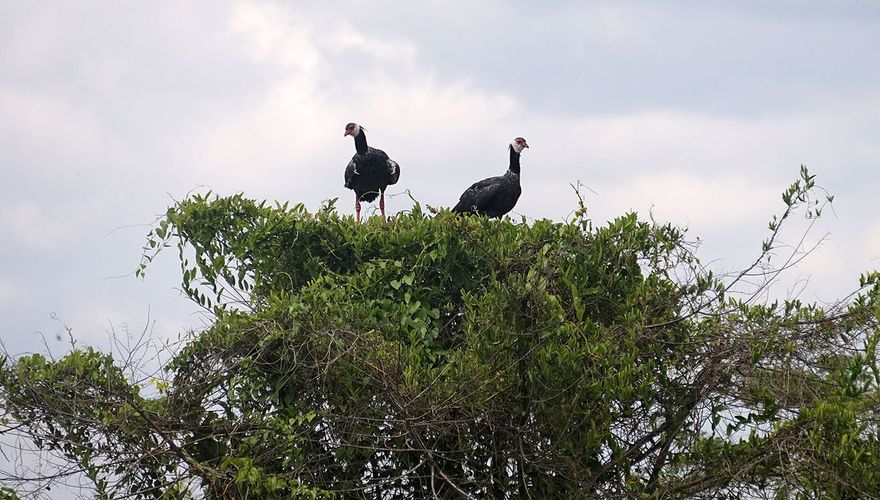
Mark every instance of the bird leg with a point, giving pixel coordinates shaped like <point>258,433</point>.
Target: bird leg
<point>382,206</point>
<point>357,209</point>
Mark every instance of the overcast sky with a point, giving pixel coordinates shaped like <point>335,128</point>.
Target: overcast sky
<point>699,111</point>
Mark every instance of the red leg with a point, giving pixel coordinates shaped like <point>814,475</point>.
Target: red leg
<point>382,204</point>
<point>357,209</point>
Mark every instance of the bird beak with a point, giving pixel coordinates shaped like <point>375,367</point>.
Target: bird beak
<point>347,132</point>
<point>525,145</point>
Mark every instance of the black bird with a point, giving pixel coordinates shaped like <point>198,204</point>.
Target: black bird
<point>495,196</point>
<point>369,172</point>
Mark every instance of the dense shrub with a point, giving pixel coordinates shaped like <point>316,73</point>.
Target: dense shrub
<point>460,356</point>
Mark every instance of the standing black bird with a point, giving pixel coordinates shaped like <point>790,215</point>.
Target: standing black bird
<point>369,172</point>
<point>495,196</point>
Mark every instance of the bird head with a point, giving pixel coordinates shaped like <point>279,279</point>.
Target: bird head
<point>519,144</point>
<point>352,129</point>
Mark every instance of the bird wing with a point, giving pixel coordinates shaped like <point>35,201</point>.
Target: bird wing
<point>350,171</point>
<point>478,195</point>
<point>394,170</point>
<point>379,157</point>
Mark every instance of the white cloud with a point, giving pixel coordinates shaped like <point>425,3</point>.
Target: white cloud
<point>29,225</point>
<point>871,248</point>
<point>426,107</point>
<point>7,291</point>
<point>298,124</point>
<point>284,134</point>
<point>275,35</point>
<point>347,38</point>
<point>39,121</point>
<point>674,140</point>
<point>691,200</point>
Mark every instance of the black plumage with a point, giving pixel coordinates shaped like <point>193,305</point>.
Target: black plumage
<point>369,172</point>
<point>495,196</point>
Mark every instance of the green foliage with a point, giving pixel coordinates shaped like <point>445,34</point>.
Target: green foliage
<point>7,493</point>
<point>449,356</point>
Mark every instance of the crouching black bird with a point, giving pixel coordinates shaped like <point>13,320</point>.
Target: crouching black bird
<point>369,172</point>
<point>495,196</point>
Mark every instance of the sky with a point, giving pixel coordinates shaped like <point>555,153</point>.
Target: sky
<point>698,113</point>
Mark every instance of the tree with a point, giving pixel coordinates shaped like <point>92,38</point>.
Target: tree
<point>459,356</point>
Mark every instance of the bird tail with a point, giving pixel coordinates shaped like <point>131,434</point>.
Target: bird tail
<point>461,208</point>
<point>369,196</point>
